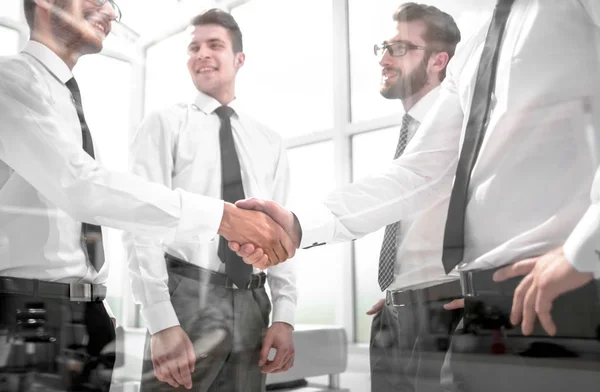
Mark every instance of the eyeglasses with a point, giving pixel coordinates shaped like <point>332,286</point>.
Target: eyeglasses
<point>114,6</point>
<point>395,49</point>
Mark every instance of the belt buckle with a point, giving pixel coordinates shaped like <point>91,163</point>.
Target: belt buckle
<point>466,284</point>
<point>80,292</point>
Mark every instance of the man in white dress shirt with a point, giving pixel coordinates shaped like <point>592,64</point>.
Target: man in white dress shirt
<point>194,293</point>
<point>410,322</point>
<point>54,196</point>
<point>527,199</point>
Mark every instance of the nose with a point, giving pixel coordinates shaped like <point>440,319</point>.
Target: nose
<point>203,52</point>
<point>385,58</point>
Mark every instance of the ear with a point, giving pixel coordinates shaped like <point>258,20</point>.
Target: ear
<point>240,59</point>
<point>438,61</point>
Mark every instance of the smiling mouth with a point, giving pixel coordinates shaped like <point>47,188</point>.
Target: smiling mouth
<point>204,70</point>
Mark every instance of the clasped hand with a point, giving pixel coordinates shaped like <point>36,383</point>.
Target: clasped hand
<point>261,232</point>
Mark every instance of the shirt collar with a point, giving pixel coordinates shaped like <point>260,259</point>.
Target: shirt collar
<point>49,59</point>
<point>419,111</point>
<point>208,104</point>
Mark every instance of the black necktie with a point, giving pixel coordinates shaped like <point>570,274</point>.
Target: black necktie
<point>454,235</point>
<point>91,235</point>
<point>233,190</point>
<point>387,256</point>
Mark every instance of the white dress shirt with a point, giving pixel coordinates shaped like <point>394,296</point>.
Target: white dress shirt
<point>531,183</point>
<point>419,238</point>
<point>179,147</point>
<point>49,184</point>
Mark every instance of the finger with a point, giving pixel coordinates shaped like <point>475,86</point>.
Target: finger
<point>276,363</point>
<point>191,356</point>
<point>264,351</point>
<point>184,371</point>
<point>247,250</point>
<point>287,244</point>
<point>234,246</point>
<point>263,264</point>
<point>162,374</point>
<point>456,304</point>
<point>287,364</point>
<point>173,368</point>
<point>543,308</point>
<point>519,268</point>
<point>529,313</point>
<point>280,252</point>
<point>516,313</point>
<point>376,308</point>
<point>254,257</point>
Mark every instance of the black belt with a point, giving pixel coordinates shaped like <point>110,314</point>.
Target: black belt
<point>79,292</point>
<point>203,275</point>
<point>408,297</point>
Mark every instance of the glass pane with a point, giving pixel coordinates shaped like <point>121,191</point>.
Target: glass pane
<point>372,23</point>
<point>286,81</point>
<point>10,41</point>
<point>370,152</point>
<point>104,88</point>
<point>11,9</point>
<point>315,266</point>
<point>167,78</point>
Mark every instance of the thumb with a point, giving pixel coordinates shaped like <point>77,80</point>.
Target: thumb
<point>191,355</point>
<point>376,308</point>
<point>266,347</point>
<point>249,204</point>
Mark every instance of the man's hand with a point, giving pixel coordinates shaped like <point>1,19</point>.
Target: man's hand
<point>173,357</point>
<point>245,226</point>
<point>456,304</point>
<point>256,255</point>
<point>376,308</point>
<point>548,276</point>
<point>279,337</point>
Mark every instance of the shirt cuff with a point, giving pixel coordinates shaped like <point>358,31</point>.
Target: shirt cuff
<point>582,248</point>
<point>317,223</point>
<point>200,218</point>
<point>284,311</point>
<point>160,316</point>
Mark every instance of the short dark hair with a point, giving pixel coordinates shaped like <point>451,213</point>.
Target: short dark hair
<point>219,17</point>
<point>29,10</point>
<point>441,31</point>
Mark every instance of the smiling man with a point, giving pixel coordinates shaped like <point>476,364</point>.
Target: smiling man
<point>211,147</point>
<point>54,195</point>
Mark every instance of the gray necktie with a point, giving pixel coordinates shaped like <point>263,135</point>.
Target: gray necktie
<point>387,257</point>
<point>454,233</point>
<point>232,191</point>
<point>91,235</point>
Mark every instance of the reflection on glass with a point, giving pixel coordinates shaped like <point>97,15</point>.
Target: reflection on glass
<point>10,9</point>
<point>10,41</point>
<point>106,93</point>
<point>372,23</point>
<point>286,82</point>
<point>318,267</point>
<point>167,79</point>
<point>370,153</point>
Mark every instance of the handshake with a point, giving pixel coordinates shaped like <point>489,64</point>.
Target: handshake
<point>261,232</point>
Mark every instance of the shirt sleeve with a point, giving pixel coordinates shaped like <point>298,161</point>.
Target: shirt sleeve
<point>418,178</point>
<point>38,144</point>
<point>151,157</point>
<point>282,278</point>
<point>582,248</point>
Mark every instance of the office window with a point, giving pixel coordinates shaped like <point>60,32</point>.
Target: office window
<point>10,9</point>
<point>318,268</point>
<point>10,41</point>
<point>287,80</point>
<point>167,79</point>
<point>105,89</point>
<point>372,23</point>
<point>371,152</point>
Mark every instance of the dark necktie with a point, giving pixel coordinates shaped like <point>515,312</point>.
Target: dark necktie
<point>91,235</point>
<point>387,257</point>
<point>454,235</point>
<point>233,190</point>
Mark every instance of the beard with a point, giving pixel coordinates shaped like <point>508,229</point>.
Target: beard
<point>66,30</point>
<point>406,85</point>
